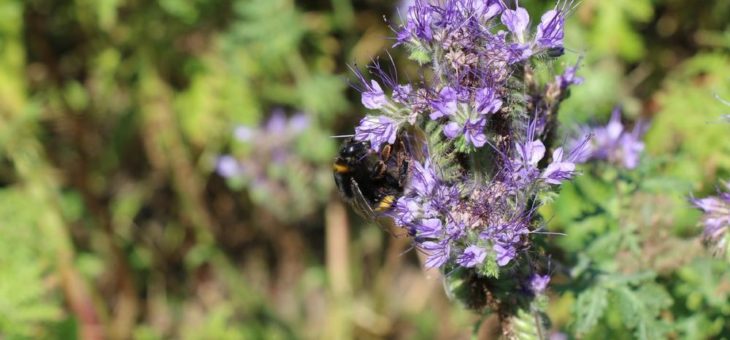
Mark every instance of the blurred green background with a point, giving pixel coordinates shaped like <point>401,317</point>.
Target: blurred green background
<point>114,223</point>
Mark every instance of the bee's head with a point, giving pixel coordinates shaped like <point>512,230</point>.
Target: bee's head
<point>354,150</point>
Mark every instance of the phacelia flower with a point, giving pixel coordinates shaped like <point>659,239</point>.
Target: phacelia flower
<point>568,78</point>
<point>561,169</point>
<point>373,97</point>
<point>446,103</point>
<point>550,30</point>
<point>615,144</point>
<point>488,101</point>
<point>484,119</point>
<point>471,257</point>
<point>473,131</point>
<point>538,283</point>
<point>276,176</point>
<point>516,21</point>
<point>376,130</point>
<point>716,218</point>
<point>438,253</point>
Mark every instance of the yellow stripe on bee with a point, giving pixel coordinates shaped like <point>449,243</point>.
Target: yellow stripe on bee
<point>340,168</point>
<point>385,203</point>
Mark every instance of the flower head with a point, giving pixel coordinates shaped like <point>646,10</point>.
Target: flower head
<point>616,144</point>
<point>470,204</point>
<point>716,218</point>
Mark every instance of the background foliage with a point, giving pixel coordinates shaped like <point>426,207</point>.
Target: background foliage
<point>113,221</point>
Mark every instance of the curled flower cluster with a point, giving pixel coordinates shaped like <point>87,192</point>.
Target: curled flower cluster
<point>490,127</point>
<point>268,165</point>
<point>614,143</point>
<point>474,47</point>
<point>716,219</point>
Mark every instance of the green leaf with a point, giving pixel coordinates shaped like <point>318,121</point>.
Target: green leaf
<point>590,307</point>
<point>640,309</point>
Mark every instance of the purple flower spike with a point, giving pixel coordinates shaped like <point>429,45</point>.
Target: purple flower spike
<point>423,179</point>
<point>562,169</point>
<point>299,122</point>
<point>401,93</point>
<point>373,97</point>
<point>491,10</point>
<point>445,105</point>
<point>471,257</point>
<point>516,21</point>
<point>377,130</point>
<point>550,30</point>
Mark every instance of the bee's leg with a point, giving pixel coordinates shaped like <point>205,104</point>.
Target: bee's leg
<point>385,153</point>
<point>379,169</point>
<point>403,173</point>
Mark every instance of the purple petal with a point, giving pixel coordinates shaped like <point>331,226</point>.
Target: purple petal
<point>452,130</point>
<point>445,105</point>
<point>471,257</point>
<point>487,101</point>
<point>438,253</point>
<point>550,30</point>
<point>504,254</point>
<point>516,21</point>
<point>374,98</point>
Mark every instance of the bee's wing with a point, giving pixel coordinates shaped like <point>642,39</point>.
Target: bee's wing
<point>363,208</point>
<point>415,142</point>
<point>361,205</point>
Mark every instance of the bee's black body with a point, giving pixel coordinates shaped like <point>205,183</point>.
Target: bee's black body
<point>371,181</point>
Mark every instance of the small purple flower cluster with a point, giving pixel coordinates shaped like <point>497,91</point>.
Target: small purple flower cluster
<point>272,140</point>
<point>269,167</point>
<point>614,143</point>
<point>716,219</point>
<point>484,104</point>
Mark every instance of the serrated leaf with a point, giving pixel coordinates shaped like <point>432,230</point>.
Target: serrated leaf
<point>589,307</point>
<point>640,309</point>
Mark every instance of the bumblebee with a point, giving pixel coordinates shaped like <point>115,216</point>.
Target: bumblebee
<point>371,181</point>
